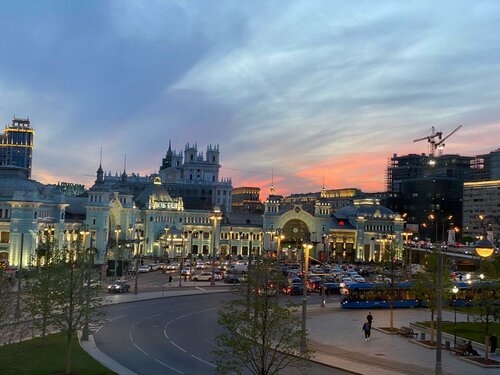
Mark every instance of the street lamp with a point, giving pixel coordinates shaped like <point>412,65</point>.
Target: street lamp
<point>455,291</point>
<point>85,332</point>
<point>217,215</point>
<point>118,229</point>
<point>307,248</point>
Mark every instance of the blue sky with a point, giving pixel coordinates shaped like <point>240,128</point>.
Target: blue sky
<point>309,89</point>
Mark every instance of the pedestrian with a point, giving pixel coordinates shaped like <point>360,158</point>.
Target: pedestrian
<point>170,279</point>
<point>367,329</point>
<point>370,319</point>
<point>493,343</point>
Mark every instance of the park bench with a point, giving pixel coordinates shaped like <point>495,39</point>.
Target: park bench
<point>406,332</point>
<point>460,349</point>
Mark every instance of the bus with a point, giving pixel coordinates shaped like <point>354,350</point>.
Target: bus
<point>378,295</point>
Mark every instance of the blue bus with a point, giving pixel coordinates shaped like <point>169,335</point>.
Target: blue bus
<point>375,295</point>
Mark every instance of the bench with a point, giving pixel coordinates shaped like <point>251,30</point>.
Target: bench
<point>406,332</point>
<point>460,349</point>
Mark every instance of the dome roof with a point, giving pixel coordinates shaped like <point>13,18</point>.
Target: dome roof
<point>14,180</point>
<point>155,192</point>
<point>363,209</point>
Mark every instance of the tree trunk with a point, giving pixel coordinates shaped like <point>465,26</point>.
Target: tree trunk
<point>432,326</point>
<point>68,354</point>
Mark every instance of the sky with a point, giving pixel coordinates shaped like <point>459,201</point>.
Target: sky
<point>305,91</point>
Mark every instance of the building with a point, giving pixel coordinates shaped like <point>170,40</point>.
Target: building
<point>486,167</point>
<point>70,189</point>
<point>481,199</point>
<point>195,177</point>
<point>418,185</point>
<point>247,199</point>
<point>16,145</point>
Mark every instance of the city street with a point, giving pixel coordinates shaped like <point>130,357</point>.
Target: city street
<point>170,336</point>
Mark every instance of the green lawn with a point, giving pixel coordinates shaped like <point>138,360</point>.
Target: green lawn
<point>469,331</point>
<point>45,356</point>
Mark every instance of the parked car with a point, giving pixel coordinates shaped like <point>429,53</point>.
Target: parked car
<point>119,286</point>
<point>203,276</point>
<point>143,269</point>
<point>294,289</point>
<point>187,272</point>
<point>154,267</point>
<point>172,266</point>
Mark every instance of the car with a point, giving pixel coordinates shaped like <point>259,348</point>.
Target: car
<point>172,266</point>
<point>358,279</point>
<point>219,275</point>
<point>187,272</point>
<point>294,289</point>
<point>203,276</point>
<point>154,267</point>
<point>232,279</point>
<point>143,269</point>
<point>119,286</point>
<point>93,283</point>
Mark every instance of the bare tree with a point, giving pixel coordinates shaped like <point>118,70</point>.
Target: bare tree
<point>262,335</point>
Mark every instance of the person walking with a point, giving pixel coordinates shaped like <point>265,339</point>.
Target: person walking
<point>370,319</point>
<point>367,329</point>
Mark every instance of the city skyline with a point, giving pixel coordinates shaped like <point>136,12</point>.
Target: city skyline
<point>310,92</point>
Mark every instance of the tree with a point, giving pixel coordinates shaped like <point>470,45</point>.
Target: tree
<point>58,292</point>
<point>261,335</point>
<point>426,286</point>
<point>9,327</point>
<point>39,283</point>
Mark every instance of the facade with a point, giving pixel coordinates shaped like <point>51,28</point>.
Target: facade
<point>418,185</point>
<point>359,232</point>
<point>195,177</point>
<point>481,199</point>
<point>247,199</point>
<point>16,145</point>
<point>486,167</point>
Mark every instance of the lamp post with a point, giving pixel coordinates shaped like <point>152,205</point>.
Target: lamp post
<point>137,254</point>
<point>303,346</point>
<point>118,229</point>
<point>19,280</point>
<point>455,291</point>
<point>85,332</point>
<point>216,216</point>
<point>485,249</point>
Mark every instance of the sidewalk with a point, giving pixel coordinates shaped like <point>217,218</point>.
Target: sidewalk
<point>337,338</point>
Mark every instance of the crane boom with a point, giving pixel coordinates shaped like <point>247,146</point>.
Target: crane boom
<point>433,143</point>
<point>449,135</point>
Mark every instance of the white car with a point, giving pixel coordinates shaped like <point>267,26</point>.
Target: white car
<point>154,267</point>
<point>203,276</point>
<point>172,266</point>
<point>143,269</point>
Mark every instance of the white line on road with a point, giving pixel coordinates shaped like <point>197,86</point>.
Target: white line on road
<point>202,311</point>
<point>167,366</point>
<point>177,346</point>
<point>202,360</point>
<point>152,316</point>
<point>118,317</point>
<point>165,333</point>
<point>130,335</point>
<point>199,288</point>
<point>139,348</point>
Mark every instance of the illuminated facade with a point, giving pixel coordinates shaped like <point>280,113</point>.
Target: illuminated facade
<point>16,145</point>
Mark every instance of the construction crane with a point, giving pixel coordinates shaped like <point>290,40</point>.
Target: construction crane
<point>436,143</point>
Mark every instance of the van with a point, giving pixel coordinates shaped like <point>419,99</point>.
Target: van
<point>238,268</point>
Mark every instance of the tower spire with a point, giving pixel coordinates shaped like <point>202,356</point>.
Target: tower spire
<point>272,181</point>
<point>100,172</point>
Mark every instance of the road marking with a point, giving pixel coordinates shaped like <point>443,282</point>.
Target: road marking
<point>167,366</point>
<point>199,288</point>
<point>130,335</point>
<point>202,311</point>
<point>139,348</point>
<point>118,317</point>
<point>152,316</point>
<point>202,360</point>
<point>174,344</point>
<point>165,333</point>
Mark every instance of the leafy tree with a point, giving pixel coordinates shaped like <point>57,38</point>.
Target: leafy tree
<point>426,284</point>
<point>58,291</point>
<point>262,335</point>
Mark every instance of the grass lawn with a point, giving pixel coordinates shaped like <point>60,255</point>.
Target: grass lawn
<point>470,331</point>
<point>46,356</point>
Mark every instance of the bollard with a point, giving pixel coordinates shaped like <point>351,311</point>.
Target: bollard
<point>422,336</point>
<point>447,345</point>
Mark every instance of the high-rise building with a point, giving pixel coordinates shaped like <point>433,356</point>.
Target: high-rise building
<point>247,199</point>
<point>418,185</point>
<point>481,199</point>
<point>16,145</point>
<point>486,167</point>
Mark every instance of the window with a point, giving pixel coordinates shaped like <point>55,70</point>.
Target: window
<point>205,249</point>
<point>93,221</point>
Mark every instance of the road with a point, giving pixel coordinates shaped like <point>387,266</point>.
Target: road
<point>170,336</point>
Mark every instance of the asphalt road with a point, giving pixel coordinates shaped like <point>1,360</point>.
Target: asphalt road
<point>170,336</point>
